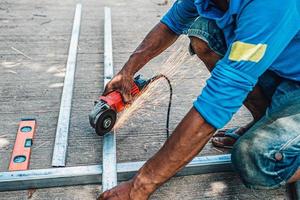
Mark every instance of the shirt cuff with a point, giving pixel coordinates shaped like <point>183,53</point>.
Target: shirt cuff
<point>223,94</point>
<point>209,113</point>
<point>166,21</point>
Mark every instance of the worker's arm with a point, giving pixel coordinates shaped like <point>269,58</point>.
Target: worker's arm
<point>186,142</point>
<point>163,35</point>
<point>157,40</point>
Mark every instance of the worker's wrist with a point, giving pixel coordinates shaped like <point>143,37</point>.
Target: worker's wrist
<point>136,61</point>
<point>142,186</point>
<point>127,71</point>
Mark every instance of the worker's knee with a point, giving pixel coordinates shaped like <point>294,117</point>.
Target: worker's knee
<point>204,52</point>
<point>256,164</point>
<point>200,47</point>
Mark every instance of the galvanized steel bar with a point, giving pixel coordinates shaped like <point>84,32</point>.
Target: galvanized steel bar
<point>109,177</point>
<point>52,177</point>
<point>108,55</point>
<point>62,130</point>
<point>68,176</point>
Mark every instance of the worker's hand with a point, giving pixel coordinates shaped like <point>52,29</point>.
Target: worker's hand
<point>124,191</point>
<point>122,83</point>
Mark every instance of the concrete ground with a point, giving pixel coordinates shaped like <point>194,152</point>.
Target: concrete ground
<point>34,40</point>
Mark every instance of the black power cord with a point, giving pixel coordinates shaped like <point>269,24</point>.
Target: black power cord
<point>159,76</point>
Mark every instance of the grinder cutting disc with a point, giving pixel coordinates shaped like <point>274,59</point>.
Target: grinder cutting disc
<point>105,121</point>
<point>102,118</point>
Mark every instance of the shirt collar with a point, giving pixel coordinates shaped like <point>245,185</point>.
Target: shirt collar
<point>208,9</point>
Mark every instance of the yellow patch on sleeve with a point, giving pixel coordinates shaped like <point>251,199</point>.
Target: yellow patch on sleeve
<point>241,51</point>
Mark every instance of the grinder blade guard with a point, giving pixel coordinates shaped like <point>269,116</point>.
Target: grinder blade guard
<point>104,114</point>
<point>102,118</point>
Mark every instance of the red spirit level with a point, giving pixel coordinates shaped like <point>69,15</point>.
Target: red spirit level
<point>21,153</point>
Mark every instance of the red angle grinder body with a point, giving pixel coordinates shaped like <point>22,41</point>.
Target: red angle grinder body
<point>104,114</point>
<point>115,100</point>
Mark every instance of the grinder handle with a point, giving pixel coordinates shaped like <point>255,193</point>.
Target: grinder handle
<point>134,89</point>
<point>115,100</point>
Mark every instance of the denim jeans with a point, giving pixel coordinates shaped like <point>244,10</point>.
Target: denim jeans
<point>268,154</point>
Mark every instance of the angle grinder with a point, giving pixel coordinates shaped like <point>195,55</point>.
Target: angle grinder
<point>104,114</point>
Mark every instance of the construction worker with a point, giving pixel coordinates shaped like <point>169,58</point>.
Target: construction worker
<point>252,48</point>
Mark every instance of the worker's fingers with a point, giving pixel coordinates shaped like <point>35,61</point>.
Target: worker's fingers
<point>122,85</point>
<point>100,197</point>
<point>126,94</point>
<point>104,196</point>
<point>108,88</point>
<point>108,195</point>
<point>127,98</point>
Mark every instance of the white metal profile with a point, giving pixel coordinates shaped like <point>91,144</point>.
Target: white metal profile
<point>63,123</point>
<point>109,165</point>
<point>81,175</point>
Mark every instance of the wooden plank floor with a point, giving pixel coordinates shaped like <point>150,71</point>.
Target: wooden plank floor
<point>31,85</point>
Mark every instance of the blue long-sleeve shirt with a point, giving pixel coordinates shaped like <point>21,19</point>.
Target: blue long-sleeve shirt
<point>260,35</point>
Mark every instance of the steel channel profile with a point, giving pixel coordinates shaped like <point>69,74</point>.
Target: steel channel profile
<point>62,130</point>
<point>109,151</point>
<point>81,175</point>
